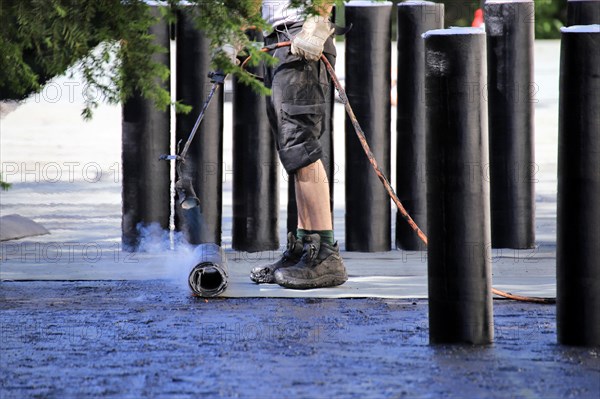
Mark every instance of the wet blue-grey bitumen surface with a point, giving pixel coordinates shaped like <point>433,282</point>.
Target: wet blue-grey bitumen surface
<point>151,339</point>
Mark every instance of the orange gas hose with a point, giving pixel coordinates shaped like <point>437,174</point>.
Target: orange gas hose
<point>381,175</point>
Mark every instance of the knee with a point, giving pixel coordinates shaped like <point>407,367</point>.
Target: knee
<point>310,172</point>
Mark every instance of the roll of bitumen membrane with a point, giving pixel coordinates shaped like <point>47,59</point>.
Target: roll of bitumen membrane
<point>414,19</point>
<point>204,163</point>
<point>255,171</point>
<point>583,12</point>
<point>368,86</point>
<point>511,90</point>
<point>578,219</point>
<point>458,214</point>
<point>208,272</point>
<point>146,193</point>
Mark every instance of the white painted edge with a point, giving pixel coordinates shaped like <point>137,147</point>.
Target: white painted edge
<point>367,3</point>
<point>581,29</point>
<point>507,1</point>
<point>416,3</point>
<point>454,30</point>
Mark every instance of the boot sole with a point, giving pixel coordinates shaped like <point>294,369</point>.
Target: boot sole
<point>262,277</point>
<point>329,280</point>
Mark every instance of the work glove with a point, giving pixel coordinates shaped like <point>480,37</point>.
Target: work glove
<point>309,43</point>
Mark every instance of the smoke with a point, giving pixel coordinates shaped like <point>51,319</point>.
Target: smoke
<point>175,254</point>
<point>153,238</point>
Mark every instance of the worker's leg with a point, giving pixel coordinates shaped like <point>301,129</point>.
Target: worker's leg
<point>312,198</point>
<point>321,264</point>
<point>297,111</point>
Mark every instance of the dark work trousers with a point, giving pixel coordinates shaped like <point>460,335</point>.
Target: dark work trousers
<point>300,98</point>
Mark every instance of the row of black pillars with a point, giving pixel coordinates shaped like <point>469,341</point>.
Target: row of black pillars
<point>146,136</point>
<point>368,212</point>
<point>448,128</point>
<point>510,81</point>
<point>457,151</point>
<point>458,215</point>
<point>458,266</point>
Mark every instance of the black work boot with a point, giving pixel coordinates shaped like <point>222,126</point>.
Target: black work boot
<point>320,266</point>
<point>291,256</point>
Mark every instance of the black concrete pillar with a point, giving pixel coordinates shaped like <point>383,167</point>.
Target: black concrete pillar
<point>583,12</point>
<point>204,164</point>
<point>292,206</point>
<point>510,34</point>
<point>255,172</point>
<point>458,214</point>
<point>578,219</point>
<point>145,137</point>
<point>414,19</point>
<point>368,85</point>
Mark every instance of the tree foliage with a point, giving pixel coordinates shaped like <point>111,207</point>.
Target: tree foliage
<point>43,38</point>
<point>4,185</point>
<point>550,15</point>
<point>109,43</point>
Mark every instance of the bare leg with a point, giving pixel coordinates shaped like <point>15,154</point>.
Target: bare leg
<point>312,198</point>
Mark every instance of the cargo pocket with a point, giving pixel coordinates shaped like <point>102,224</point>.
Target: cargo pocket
<point>299,134</point>
<point>301,123</point>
